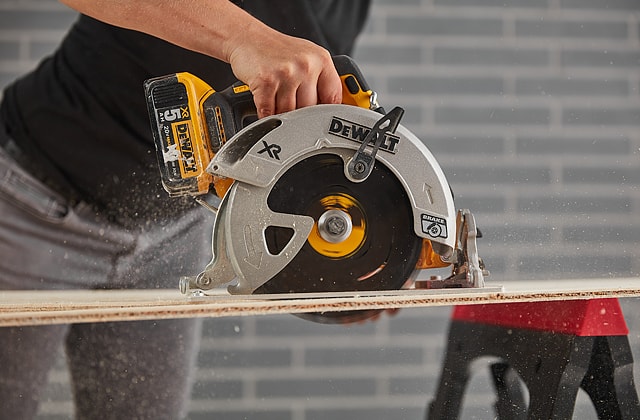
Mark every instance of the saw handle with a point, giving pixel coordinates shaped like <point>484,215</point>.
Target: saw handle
<point>227,112</point>
<point>355,89</point>
<point>232,109</point>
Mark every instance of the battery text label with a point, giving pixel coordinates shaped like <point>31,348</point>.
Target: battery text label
<point>183,139</point>
<point>356,132</point>
<point>173,114</point>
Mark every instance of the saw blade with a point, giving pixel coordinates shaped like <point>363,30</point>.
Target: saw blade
<point>362,239</point>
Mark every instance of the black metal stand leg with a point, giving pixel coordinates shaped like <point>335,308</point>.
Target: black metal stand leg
<point>552,372</point>
<point>453,380</point>
<point>609,381</point>
<point>552,366</point>
<point>510,403</point>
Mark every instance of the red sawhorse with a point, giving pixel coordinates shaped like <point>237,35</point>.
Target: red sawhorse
<point>555,348</point>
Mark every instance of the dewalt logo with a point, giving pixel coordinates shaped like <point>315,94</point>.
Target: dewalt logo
<point>188,163</point>
<point>357,132</point>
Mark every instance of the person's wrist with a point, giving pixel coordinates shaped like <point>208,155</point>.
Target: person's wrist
<point>251,36</point>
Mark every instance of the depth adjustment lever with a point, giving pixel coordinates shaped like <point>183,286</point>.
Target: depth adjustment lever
<point>361,163</point>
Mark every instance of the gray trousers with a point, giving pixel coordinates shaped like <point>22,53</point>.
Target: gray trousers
<point>119,370</point>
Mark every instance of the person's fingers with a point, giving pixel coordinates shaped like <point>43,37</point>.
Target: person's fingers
<point>306,95</point>
<point>298,87</point>
<point>264,96</point>
<point>329,86</point>
<point>265,104</point>
<point>286,96</point>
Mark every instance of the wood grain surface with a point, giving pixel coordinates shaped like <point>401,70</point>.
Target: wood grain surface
<point>22,307</point>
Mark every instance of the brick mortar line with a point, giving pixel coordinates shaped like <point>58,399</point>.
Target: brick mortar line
<point>496,72</point>
<point>372,340</point>
<point>52,35</point>
<point>512,75</point>
<point>322,373</point>
<point>441,100</point>
<point>565,222</point>
<point>557,251</point>
<point>501,13</point>
<point>32,6</point>
<point>545,161</point>
<point>496,41</point>
<point>18,67</point>
<point>577,133</point>
<point>313,403</point>
<point>374,337</point>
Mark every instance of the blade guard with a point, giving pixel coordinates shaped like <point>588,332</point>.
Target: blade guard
<point>262,152</point>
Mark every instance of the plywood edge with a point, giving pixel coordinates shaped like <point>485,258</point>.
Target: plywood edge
<point>82,306</point>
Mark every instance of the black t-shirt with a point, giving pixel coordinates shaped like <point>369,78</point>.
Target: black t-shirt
<point>82,112</point>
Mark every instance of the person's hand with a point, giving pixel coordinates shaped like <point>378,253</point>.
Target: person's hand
<point>285,73</point>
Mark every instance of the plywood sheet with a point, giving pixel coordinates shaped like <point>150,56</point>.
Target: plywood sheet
<point>73,306</point>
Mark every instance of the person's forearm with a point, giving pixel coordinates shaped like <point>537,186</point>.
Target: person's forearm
<point>211,27</point>
<point>283,72</point>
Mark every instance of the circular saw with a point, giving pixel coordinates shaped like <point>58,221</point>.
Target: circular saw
<point>323,199</point>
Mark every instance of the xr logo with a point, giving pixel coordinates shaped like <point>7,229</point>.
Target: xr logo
<point>272,150</point>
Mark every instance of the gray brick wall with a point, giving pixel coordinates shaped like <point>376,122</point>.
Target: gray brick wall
<point>533,110</point>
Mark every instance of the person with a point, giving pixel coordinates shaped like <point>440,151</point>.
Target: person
<point>80,195</point>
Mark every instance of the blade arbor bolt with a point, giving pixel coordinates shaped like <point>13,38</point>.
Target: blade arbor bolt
<point>359,167</point>
<point>334,226</point>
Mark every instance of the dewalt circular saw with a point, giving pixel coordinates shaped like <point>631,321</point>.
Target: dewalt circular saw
<point>323,199</point>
